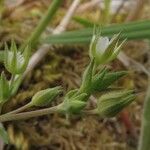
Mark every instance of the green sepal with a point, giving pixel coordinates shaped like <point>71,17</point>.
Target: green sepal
<point>117,50</point>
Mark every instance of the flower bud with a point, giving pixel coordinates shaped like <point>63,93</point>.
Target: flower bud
<point>4,89</point>
<point>111,104</point>
<point>45,97</point>
<point>104,50</point>
<point>16,61</point>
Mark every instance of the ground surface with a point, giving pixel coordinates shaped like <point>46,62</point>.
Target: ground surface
<point>63,65</point>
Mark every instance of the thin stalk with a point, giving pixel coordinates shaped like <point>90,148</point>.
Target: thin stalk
<point>144,142</point>
<point>27,115</point>
<point>20,109</point>
<point>33,39</point>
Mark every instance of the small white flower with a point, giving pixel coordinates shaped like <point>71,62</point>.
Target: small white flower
<point>102,44</point>
<point>104,50</point>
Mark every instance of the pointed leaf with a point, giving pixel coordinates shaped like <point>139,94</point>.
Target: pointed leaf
<point>3,134</point>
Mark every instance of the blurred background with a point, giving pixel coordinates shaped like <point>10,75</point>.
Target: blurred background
<point>63,65</point>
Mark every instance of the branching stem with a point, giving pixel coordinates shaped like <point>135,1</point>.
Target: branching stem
<point>20,109</point>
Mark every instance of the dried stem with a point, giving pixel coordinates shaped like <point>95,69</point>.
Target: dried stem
<point>88,5</point>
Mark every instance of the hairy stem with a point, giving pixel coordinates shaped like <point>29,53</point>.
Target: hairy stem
<point>20,109</point>
<point>27,115</point>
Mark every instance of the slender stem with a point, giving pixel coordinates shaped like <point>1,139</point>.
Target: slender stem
<point>33,39</point>
<point>144,142</point>
<point>27,115</point>
<point>20,109</point>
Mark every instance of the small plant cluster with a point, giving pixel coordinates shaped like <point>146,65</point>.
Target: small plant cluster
<point>75,101</point>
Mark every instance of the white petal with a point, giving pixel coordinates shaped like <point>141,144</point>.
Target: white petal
<point>102,44</point>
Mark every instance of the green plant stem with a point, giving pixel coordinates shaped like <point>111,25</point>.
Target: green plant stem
<point>20,109</point>
<point>27,115</point>
<point>33,39</point>
<point>144,142</point>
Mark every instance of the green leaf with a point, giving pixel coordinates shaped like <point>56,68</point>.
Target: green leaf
<point>3,134</point>
<point>87,78</point>
<point>108,79</point>
<point>97,79</point>
<point>133,30</point>
<point>33,39</point>
<point>82,21</point>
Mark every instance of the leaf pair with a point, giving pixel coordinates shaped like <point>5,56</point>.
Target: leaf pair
<point>102,80</point>
<point>74,102</point>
